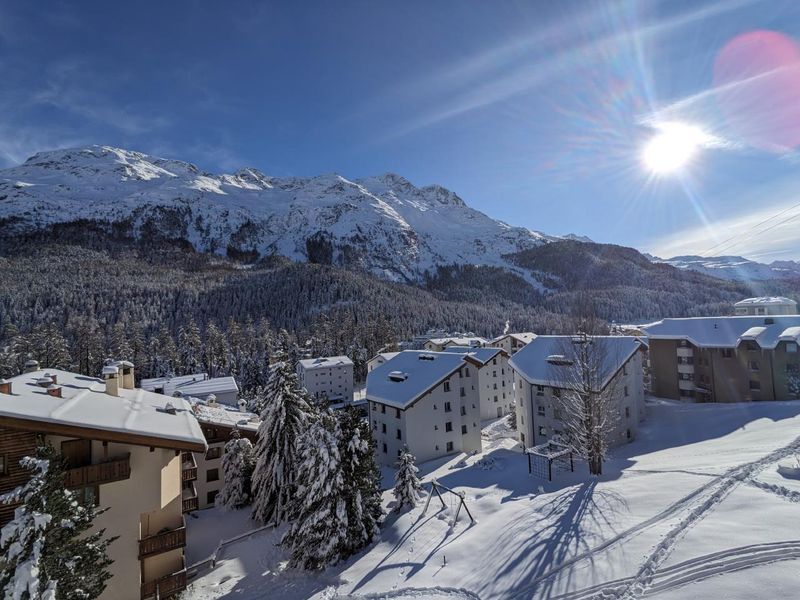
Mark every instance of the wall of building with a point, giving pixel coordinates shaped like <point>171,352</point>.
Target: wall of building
<point>664,368</point>
<point>495,384</point>
<point>331,382</point>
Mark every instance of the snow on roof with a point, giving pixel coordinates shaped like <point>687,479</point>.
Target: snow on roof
<point>84,403</point>
<point>224,416</point>
<point>525,337</point>
<point>482,355</point>
<point>790,334</point>
<point>325,362</point>
<point>196,384</point>
<point>422,370</point>
<point>766,300</point>
<point>723,332</point>
<point>532,363</point>
<point>155,382</point>
<point>384,355</point>
<point>459,341</point>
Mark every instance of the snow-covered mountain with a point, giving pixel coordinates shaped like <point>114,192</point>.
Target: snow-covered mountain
<point>384,223</point>
<point>734,268</point>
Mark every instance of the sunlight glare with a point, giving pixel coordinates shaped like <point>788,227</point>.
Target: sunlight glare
<point>673,147</point>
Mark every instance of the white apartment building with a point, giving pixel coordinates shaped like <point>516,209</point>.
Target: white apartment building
<point>197,385</point>
<point>327,378</point>
<point>379,359</point>
<point>426,401</point>
<point>512,342</point>
<point>542,377</point>
<point>765,305</point>
<point>495,379</point>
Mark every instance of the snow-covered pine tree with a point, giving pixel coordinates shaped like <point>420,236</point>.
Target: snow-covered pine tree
<point>318,535</point>
<point>237,471</point>
<point>120,348</point>
<point>362,481</point>
<point>511,418</point>
<point>255,399</point>
<point>47,551</point>
<point>407,487</point>
<point>190,346</point>
<point>283,421</point>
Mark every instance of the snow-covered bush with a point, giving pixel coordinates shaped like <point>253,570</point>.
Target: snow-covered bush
<point>407,487</point>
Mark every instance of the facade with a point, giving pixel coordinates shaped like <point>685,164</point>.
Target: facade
<point>512,342</point>
<point>124,450</point>
<point>495,379</point>
<point>541,383</point>
<point>725,359</point>
<point>217,423</point>
<point>439,344</point>
<point>379,359</point>
<point>427,402</point>
<point>327,378</point>
<point>766,306</point>
<point>198,385</point>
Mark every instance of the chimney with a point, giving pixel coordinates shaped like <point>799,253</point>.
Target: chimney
<point>111,377</point>
<point>52,376</point>
<point>5,386</point>
<point>54,390</point>
<point>127,374</point>
<point>44,381</point>
<point>31,366</point>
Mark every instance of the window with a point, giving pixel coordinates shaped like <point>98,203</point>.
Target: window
<point>448,426</point>
<point>212,475</point>
<point>383,408</point>
<point>447,407</point>
<point>3,465</point>
<point>495,386</point>
<point>399,452</point>
<point>463,411</point>
<point>727,353</point>
<point>752,365</point>
<point>627,412</point>
<point>540,410</point>
<point>211,496</point>
<point>522,419</point>
<point>791,347</point>
<point>396,413</point>
<point>628,433</point>
<point>463,430</point>
<point>494,362</point>
<point>522,437</point>
<point>543,431</point>
<point>374,406</point>
<point>557,392</point>
<point>755,385</point>
<point>383,427</point>
<point>495,397</point>
<point>88,496</point>
<point>463,393</point>
<point>447,386</point>
<point>540,390</point>
<point>384,448</point>
<point>449,446</point>
<point>626,391</point>
<point>494,373</point>
<point>466,372</point>
<point>213,453</point>
<point>399,435</point>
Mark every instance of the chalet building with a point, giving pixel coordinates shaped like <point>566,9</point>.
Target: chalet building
<point>495,379</point>
<point>765,306</point>
<point>199,385</point>
<point>512,342</point>
<point>379,359</point>
<point>124,451</point>
<point>439,344</point>
<point>426,401</point>
<point>725,359</point>
<point>327,378</point>
<point>217,423</point>
<point>542,371</point>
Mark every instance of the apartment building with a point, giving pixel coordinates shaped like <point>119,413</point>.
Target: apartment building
<point>543,370</point>
<point>327,378</point>
<point>426,401</point>
<point>725,359</point>
<point>124,450</point>
<point>495,380</point>
<point>440,343</point>
<point>765,306</point>
<point>512,342</point>
<point>217,423</point>
<point>198,385</point>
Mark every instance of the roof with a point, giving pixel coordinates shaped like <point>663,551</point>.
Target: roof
<point>726,332</point>
<point>532,364</point>
<point>422,372</point>
<point>196,384</point>
<point>481,355</point>
<point>225,416</point>
<point>458,341</point>
<point>325,362</point>
<point>384,355</point>
<point>765,300</point>
<point>135,416</point>
<point>525,337</point>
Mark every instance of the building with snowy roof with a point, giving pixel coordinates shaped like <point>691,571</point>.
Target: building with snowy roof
<point>544,373</point>
<point>379,359</point>
<point>426,401</point>
<point>495,381</point>
<point>196,385</point>
<point>440,343</point>
<point>766,305</point>
<point>725,359</point>
<point>124,450</point>
<point>512,342</point>
<point>327,378</point>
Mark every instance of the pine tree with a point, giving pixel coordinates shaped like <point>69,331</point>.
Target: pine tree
<point>283,421</point>
<point>47,552</point>
<point>362,481</point>
<point>407,487</point>
<point>120,347</point>
<point>190,347</point>
<point>511,419</point>
<point>237,470</point>
<point>318,535</point>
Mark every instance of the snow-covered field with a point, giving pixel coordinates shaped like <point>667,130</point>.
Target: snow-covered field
<point>705,504</point>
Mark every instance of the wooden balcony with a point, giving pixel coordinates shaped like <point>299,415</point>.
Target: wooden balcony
<point>114,469</point>
<point>165,587</point>
<point>165,541</point>
<point>189,498</point>
<point>188,467</point>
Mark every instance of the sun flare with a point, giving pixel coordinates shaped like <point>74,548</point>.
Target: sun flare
<point>673,147</point>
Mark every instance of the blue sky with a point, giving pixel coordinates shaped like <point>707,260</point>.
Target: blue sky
<point>534,112</point>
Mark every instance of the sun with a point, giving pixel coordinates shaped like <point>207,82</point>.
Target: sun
<point>673,147</point>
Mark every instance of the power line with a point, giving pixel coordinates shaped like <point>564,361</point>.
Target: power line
<point>763,231</point>
<point>738,236</point>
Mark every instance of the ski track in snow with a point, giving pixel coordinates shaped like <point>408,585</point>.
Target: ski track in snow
<point>693,508</point>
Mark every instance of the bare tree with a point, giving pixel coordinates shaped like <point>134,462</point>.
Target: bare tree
<point>588,403</point>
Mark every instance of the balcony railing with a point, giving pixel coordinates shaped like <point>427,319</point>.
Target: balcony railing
<point>163,542</point>
<point>189,498</point>
<point>115,469</point>
<point>165,587</point>
<point>188,467</point>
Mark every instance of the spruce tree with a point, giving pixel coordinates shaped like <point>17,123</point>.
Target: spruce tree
<point>318,536</point>
<point>362,481</point>
<point>283,421</point>
<point>46,550</point>
<point>511,418</point>
<point>407,487</point>
<point>237,470</point>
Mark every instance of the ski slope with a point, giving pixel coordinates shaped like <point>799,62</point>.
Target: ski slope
<point>703,505</point>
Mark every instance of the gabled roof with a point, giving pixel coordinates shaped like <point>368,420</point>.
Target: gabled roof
<point>458,341</point>
<point>725,332</point>
<point>766,301</point>
<point>531,362</point>
<point>524,337</point>
<point>411,374</point>
<point>325,362</point>
<point>384,355</point>
<point>480,355</point>
<point>135,416</point>
<point>196,384</point>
